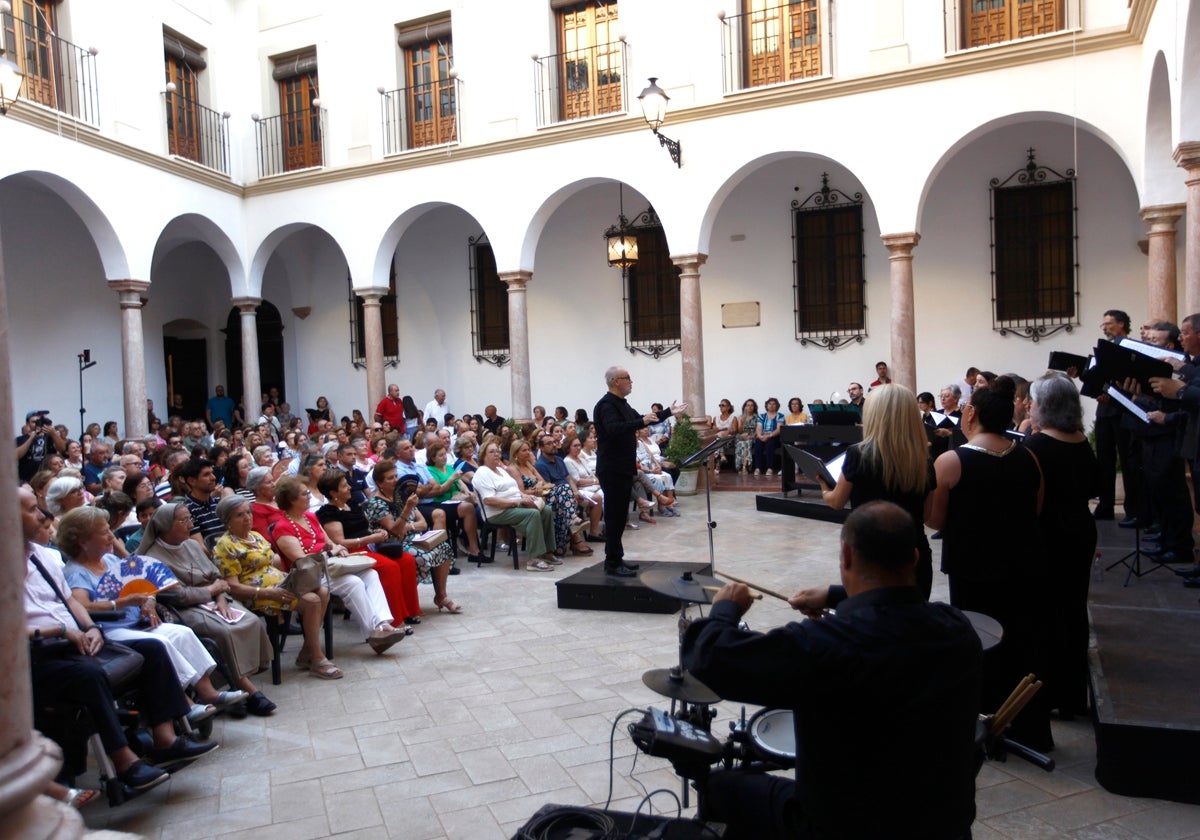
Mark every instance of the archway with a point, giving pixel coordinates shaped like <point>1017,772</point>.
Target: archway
<point>270,356</point>
<point>185,361</point>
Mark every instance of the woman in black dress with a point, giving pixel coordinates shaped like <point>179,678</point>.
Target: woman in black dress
<point>987,488</point>
<point>891,464</point>
<point>1072,479</point>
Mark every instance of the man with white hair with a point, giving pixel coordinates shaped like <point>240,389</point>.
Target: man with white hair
<point>437,408</point>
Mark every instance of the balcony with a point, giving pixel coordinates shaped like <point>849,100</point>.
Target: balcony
<point>581,84</point>
<point>772,45</point>
<point>58,74</point>
<point>197,133</point>
<point>421,116</point>
<point>290,142</point>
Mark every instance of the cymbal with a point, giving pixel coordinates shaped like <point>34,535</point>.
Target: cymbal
<point>678,685</point>
<point>987,628</point>
<point>671,583</point>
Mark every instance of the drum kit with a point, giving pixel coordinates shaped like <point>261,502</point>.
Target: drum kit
<point>767,740</point>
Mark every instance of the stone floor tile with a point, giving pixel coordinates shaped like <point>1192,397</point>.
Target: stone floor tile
<point>486,765</point>
<point>410,819</point>
<point>471,796</point>
<point>245,790</point>
<point>1104,831</point>
<point>310,828</point>
<point>382,749</point>
<point>1009,796</point>
<point>472,824</point>
<point>352,810</point>
<point>1093,806</point>
<point>1019,825</point>
<point>433,758</point>
<point>298,800</point>
<point>1163,821</point>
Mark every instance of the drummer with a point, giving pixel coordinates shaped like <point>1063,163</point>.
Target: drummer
<point>884,696</point>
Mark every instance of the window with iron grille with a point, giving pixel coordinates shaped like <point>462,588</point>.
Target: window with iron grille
<point>829,282</point>
<point>651,292</point>
<point>430,97</point>
<point>590,59</point>
<point>489,305</point>
<point>770,42</point>
<point>1034,268</point>
<point>996,21</point>
<point>389,320</point>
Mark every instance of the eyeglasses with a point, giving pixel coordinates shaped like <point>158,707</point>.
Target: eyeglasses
<point>623,377</point>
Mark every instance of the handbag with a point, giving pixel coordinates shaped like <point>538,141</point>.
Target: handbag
<point>119,663</point>
<point>351,564</point>
<point>306,574</point>
<point>430,539</point>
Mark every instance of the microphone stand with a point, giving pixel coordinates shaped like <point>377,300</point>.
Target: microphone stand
<point>85,362</point>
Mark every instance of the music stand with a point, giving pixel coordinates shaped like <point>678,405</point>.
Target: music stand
<point>704,456</point>
<point>1135,565</point>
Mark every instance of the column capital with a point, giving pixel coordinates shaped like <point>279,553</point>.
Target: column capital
<point>372,294</point>
<point>690,261</point>
<point>130,291</point>
<point>900,245</point>
<point>1162,217</point>
<point>1187,156</point>
<point>247,304</point>
<point>515,279</point>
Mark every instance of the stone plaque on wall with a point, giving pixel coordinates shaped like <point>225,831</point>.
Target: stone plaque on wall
<point>744,314</point>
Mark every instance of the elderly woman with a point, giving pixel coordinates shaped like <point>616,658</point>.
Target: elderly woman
<point>1072,478</point>
<point>652,476</point>
<point>506,504</point>
<point>204,604</point>
<point>97,577</point>
<point>254,573</point>
<point>346,525</point>
<point>587,486</point>
<point>63,494</point>
<point>298,533</point>
<point>310,472</point>
<point>396,513</point>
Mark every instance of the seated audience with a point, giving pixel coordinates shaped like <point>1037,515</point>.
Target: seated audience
<point>505,504</point>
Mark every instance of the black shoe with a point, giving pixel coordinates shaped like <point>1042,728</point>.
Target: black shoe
<point>259,705</point>
<point>936,535</point>
<point>1192,583</point>
<point>590,538</point>
<point>1165,557</point>
<point>1129,522</point>
<point>142,775</point>
<point>1103,513</point>
<point>629,564</point>
<point>622,571</point>
<point>184,749</point>
<point>454,570</point>
<point>480,558</point>
<point>1190,572</point>
<point>1152,532</point>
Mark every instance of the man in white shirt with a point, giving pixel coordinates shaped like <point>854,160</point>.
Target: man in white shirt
<point>436,408</point>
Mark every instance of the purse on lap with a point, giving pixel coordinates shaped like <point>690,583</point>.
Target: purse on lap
<point>351,564</point>
<point>306,574</point>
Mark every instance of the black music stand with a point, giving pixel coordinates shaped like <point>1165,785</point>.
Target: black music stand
<point>704,456</point>
<point>1133,560</point>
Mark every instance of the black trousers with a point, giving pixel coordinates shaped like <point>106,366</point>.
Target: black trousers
<point>1113,442</point>
<point>753,806</point>
<point>1167,493</point>
<point>80,680</point>
<point>618,489</point>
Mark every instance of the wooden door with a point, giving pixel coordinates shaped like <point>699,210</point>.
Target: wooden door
<point>590,61</point>
<point>182,117</point>
<point>301,122</point>
<point>996,21</point>
<point>431,105</point>
<point>783,41</point>
<point>29,34</point>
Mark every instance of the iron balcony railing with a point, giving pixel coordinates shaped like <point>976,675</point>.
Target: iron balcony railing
<point>58,74</point>
<point>774,45</point>
<point>581,84</point>
<point>197,133</point>
<point>421,116</point>
<point>290,142</point>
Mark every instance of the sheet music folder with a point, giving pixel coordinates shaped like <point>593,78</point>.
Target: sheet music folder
<point>814,467</point>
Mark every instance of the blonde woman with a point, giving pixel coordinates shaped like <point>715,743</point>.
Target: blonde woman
<point>891,464</point>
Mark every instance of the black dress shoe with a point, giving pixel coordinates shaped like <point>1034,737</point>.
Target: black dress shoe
<point>1153,532</point>
<point>184,749</point>
<point>622,571</point>
<point>1192,583</point>
<point>590,538</point>
<point>142,776</point>
<point>629,564</point>
<point>1189,572</point>
<point>1164,556</point>
<point>1128,522</point>
<point>259,705</point>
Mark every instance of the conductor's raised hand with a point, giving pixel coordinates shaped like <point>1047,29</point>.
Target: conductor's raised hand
<point>811,602</point>
<point>678,408</point>
<point>739,593</point>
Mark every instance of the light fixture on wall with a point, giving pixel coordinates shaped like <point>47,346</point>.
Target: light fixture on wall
<point>621,241</point>
<point>654,108</point>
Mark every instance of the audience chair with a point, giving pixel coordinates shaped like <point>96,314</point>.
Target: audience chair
<point>489,536</point>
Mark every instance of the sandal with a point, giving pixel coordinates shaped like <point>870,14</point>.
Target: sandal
<point>554,561</point>
<point>325,670</point>
<point>200,712</point>
<point>303,661</point>
<point>413,619</point>
<point>646,517</point>
<point>581,550</point>
<point>77,798</point>
<point>447,605</point>
<point>538,566</point>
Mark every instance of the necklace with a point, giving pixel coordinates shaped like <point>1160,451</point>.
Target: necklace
<point>977,448</point>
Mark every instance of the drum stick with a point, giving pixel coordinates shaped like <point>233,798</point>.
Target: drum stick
<point>762,589</point>
<point>1013,697</point>
<point>719,588</point>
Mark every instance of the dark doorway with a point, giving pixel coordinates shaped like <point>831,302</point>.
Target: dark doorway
<point>187,374</point>
<point>270,354</point>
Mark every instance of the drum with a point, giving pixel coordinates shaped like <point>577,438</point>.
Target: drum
<point>772,734</point>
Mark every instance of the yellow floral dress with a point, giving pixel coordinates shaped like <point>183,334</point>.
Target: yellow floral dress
<point>249,560</point>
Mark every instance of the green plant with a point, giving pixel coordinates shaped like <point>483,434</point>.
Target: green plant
<point>685,440</point>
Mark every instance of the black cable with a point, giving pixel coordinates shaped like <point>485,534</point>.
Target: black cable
<point>612,740</point>
<point>646,799</point>
<point>560,822</point>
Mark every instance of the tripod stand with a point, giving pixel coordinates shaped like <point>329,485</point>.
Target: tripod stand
<point>1133,560</point>
<point>705,456</point>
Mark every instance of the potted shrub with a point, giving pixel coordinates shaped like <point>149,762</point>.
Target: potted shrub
<point>685,442</point>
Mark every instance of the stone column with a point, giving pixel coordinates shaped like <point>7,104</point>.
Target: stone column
<point>133,354</point>
<point>373,338</point>
<point>251,376</point>
<point>1162,299</point>
<point>27,760</point>
<point>1187,155</point>
<point>904,336</point>
<point>691,332</point>
<point>518,342</point>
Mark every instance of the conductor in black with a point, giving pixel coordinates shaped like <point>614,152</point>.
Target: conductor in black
<point>616,428</point>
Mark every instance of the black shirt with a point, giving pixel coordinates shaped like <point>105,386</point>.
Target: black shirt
<point>885,697</point>
<point>617,423</point>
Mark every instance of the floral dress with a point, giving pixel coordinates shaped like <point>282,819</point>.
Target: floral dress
<point>249,560</point>
<point>561,499</point>
<point>378,509</point>
<point>743,453</point>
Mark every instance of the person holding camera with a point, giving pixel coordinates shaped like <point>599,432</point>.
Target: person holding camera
<point>38,440</point>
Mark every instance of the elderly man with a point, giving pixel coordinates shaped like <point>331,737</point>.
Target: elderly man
<point>76,676</point>
<point>884,695</point>
<point>436,408</point>
<point>93,468</point>
<point>391,408</point>
<point>1114,440</point>
<point>428,488</point>
<point>617,423</point>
